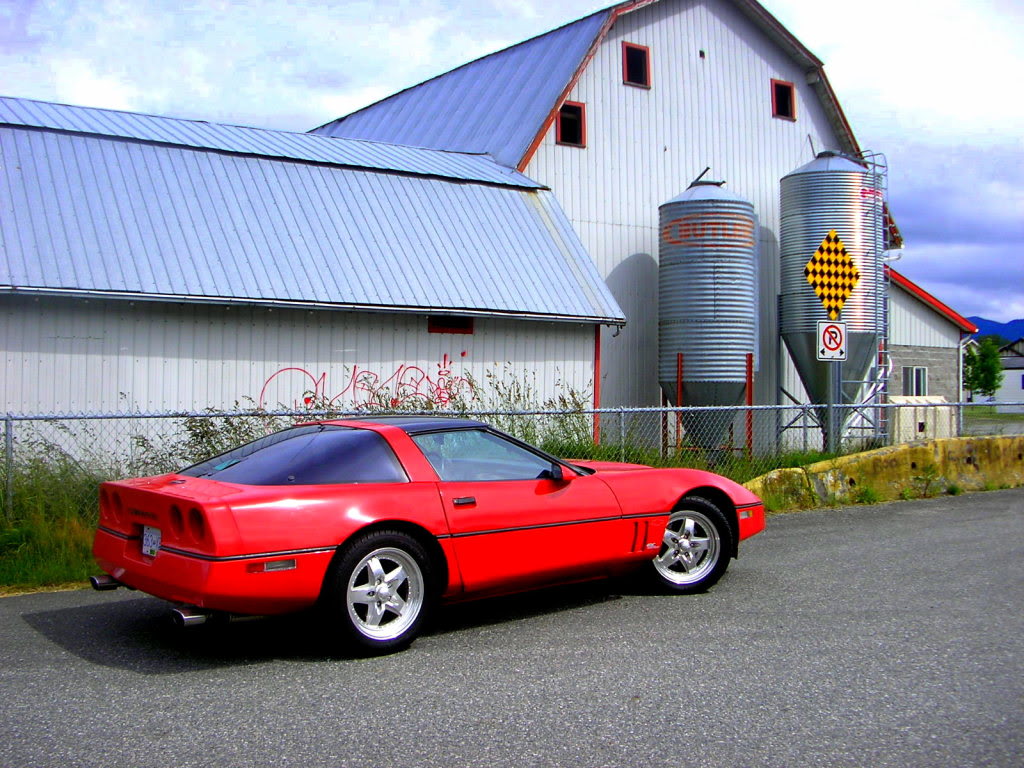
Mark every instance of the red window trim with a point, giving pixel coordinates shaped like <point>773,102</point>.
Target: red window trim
<point>625,70</point>
<point>792,100</point>
<point>449,324</point>
<point>583,124</point>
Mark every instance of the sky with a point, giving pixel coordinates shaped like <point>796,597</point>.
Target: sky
<point>937,87</point>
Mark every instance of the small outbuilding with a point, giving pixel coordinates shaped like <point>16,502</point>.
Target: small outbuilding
<point>926,341</point>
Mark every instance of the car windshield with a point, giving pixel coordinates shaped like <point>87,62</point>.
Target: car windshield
<point>474,454</point>
<point>309,455</point>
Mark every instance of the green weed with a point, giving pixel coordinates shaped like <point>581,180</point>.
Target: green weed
<point>865,494</point>
<point>928,476</point>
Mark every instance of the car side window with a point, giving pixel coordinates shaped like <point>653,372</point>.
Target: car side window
<point>469,455</point>
<point>309,455</point>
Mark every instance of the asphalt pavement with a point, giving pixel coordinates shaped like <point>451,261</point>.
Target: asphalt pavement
<point>889,635</point>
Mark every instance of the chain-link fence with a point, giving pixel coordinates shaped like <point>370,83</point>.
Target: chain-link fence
<point>59,459</point>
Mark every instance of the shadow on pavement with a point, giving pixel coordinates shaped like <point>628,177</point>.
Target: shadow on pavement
<point>139,635</point>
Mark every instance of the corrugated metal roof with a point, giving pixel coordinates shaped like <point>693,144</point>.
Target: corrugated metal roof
<point>261,142</point>
<point>495,104</point>
<point>85,214</point>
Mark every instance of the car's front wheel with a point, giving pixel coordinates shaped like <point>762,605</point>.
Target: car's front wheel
<point>380,592</point>
<point>694,549</point>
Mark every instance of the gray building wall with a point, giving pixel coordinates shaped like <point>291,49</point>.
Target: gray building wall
<point>941,362</point>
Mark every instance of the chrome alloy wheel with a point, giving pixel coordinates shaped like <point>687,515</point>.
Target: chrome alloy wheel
<point>385,593</point>
<point>690,548</point>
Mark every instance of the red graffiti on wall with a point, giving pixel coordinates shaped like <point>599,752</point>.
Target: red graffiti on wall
<point>409,386</point>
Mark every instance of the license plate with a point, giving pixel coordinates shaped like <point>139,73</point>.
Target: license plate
<point>150,540</point>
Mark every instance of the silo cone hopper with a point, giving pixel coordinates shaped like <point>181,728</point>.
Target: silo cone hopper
<point>815,374</point>
<point>707,312</point>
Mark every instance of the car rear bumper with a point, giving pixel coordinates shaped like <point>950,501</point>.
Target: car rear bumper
<point>259,584</point>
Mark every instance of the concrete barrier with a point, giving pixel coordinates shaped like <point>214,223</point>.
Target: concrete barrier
<point>906,471</point>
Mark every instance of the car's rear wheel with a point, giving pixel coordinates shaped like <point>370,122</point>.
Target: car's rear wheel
<point>694,548</point>
<point>380,592</point>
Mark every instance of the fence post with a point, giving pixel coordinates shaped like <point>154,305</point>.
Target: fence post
<point>622,433</point>
<point>9,467</point>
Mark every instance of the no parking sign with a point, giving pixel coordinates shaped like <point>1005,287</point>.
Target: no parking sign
<point>831,340</point>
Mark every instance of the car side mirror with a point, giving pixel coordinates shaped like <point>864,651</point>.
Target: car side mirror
<point>557,473</point>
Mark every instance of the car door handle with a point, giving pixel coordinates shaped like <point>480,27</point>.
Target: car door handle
<point>464,501</point>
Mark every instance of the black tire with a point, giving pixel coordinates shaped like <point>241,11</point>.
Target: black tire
<point>695,548</point>
<point>379,592</point>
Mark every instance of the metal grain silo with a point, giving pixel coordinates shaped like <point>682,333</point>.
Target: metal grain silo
<point>707,296</point>
<point>840,195</point>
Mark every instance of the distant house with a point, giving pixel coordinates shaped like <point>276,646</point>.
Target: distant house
<point>926,341</point>
<point>1012,389</point>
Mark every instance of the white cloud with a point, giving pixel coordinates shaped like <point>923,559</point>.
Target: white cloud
<point>935,70</point>
<point>76,82</point>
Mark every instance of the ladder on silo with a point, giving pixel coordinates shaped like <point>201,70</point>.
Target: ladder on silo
<point>869,420</point>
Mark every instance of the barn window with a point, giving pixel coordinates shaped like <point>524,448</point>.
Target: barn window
<point>449,324</point>
<point>636,65</point>
<point>783,100</point>
<point>571,127</point>
<point>915,380</point>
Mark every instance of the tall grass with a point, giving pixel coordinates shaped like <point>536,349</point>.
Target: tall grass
<point>46,534</point>
<point>45,537</point>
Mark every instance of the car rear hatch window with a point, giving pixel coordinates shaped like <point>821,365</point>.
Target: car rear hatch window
<point>308,455</point>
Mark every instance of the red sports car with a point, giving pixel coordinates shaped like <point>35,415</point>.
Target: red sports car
<point>377,520</point>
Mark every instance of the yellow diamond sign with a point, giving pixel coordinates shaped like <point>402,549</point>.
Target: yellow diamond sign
<point>832,274</point>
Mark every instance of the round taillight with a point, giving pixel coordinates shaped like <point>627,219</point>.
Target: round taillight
<point>177,522</point>
<point>196,524</point>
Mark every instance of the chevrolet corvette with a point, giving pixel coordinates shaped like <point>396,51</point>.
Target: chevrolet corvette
<point>375,521</point>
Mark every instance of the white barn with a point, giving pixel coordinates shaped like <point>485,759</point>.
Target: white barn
<point>153,264</point>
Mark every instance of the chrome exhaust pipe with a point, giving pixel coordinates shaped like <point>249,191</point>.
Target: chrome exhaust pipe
<point>189,616</point>
<point>104,582</point>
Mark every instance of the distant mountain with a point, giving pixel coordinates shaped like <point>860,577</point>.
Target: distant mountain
<point>1010,331</point>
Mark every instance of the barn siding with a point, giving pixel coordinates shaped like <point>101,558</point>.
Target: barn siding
<point>914,324</point>
<point>77,356</point>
